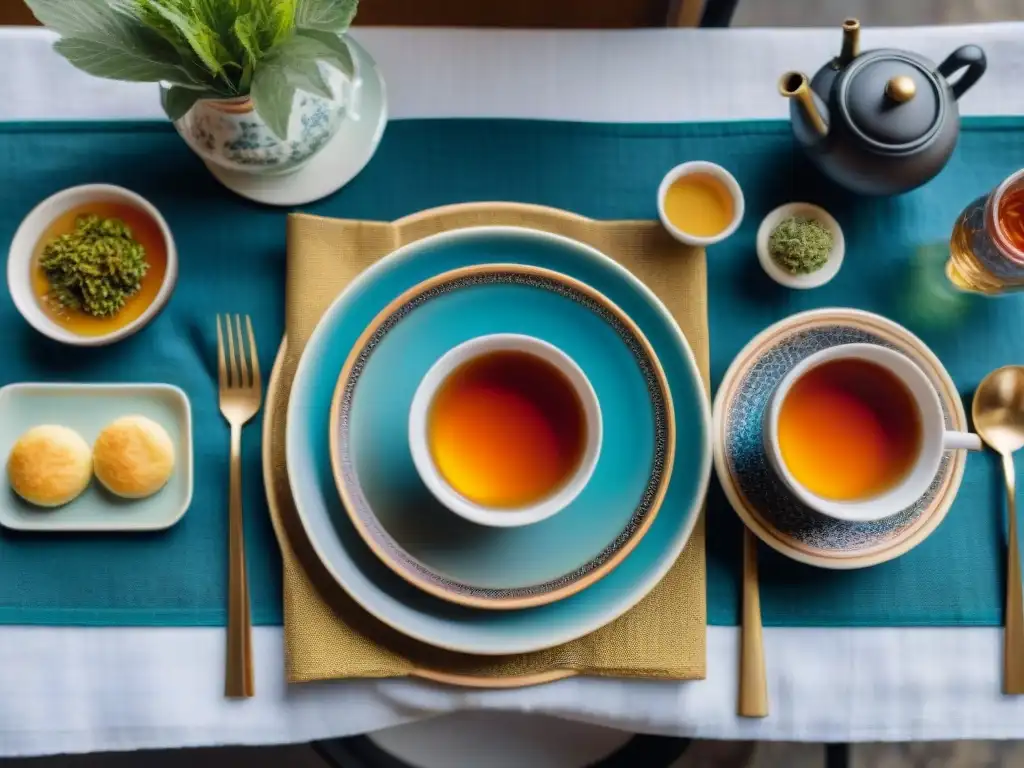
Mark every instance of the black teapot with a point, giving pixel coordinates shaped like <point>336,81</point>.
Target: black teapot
<point>883,121</point>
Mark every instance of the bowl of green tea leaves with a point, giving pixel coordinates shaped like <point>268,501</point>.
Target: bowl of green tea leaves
<point>92,265</point>
<point>800,245</point>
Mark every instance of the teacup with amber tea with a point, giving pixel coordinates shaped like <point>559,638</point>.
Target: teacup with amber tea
<point>505,430</point>
<point>857,432</point>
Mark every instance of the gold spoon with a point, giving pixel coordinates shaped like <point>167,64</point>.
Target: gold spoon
<point>753,701</point>
<point>998,412</point>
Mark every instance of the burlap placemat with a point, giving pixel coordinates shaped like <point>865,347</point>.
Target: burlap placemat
<point>326,634</point>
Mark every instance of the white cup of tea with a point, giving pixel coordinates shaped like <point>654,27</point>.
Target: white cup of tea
<point>857,432</point>
<point>505,430</point>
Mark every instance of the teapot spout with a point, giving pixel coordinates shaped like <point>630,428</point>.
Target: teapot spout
<point>794,85</point>
<point>851,43</point>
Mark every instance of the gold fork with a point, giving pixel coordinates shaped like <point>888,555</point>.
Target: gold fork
<point>240,395</point>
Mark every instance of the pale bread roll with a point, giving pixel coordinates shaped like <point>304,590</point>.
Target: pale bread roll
<point>49,465</point>
<point>133,457</point>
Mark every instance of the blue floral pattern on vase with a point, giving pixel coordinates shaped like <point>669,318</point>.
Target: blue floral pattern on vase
<point>754,477</point>
<point>232,135</point>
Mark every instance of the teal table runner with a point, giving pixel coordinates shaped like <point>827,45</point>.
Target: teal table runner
<point>232,260</point>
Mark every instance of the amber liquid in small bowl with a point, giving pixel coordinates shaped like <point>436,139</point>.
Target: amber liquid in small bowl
<point>699,204</point>
<point>144,229</point>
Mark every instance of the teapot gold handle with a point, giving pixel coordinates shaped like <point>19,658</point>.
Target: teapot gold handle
<point>970,56</point>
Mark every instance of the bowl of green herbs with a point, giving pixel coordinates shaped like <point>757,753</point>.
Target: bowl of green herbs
<point>800,245</point>
<point>91,265</point>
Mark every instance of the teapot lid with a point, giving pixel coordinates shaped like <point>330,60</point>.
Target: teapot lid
<point>891,100</point>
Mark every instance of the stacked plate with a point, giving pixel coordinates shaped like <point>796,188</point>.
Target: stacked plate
<point>497,440</point>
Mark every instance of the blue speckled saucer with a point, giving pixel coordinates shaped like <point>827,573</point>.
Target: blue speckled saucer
<point>760,498</point>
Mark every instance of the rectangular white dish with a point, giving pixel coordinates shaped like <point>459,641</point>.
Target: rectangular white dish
<point>88,408</point>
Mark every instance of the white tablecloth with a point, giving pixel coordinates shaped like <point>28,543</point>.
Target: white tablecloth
<point>72,689</point>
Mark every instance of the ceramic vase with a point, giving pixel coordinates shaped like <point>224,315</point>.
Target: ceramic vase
<point>231,134</point>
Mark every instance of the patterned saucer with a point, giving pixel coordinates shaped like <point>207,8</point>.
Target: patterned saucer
<point>764,504</point>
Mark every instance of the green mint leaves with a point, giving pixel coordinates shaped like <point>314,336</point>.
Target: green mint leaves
<point>207,48</point>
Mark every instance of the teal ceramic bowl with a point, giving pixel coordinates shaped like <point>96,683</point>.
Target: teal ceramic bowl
<point>402,520</point>
<point>345,555</point>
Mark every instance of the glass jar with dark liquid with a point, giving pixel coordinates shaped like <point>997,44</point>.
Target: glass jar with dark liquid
<point>987,246</point>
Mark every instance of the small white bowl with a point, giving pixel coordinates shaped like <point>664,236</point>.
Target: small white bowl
<point>422,458</point>
<point>701,166</point>
<point>23,246</point>
<point>804,211</point>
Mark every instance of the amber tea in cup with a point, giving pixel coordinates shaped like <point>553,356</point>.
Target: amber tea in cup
<point>857,432</point>
<point>506,429</point>
<point>849,429</point>
<point>700,203</point>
